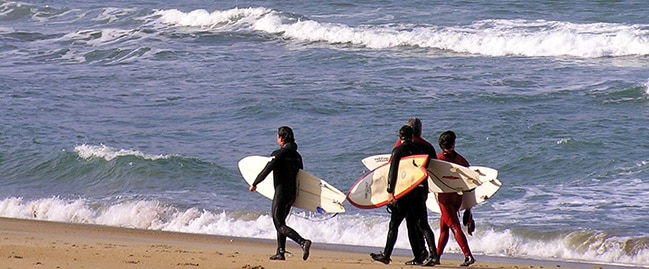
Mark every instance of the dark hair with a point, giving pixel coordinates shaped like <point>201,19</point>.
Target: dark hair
<point>415,123</point>
<point>406,132</point>
<point>286,133</point>
<point>447,140</point>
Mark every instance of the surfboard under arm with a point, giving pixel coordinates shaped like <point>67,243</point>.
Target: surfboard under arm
<point>314,194</point>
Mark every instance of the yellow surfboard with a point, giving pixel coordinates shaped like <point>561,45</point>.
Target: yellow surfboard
<point>370,191</point>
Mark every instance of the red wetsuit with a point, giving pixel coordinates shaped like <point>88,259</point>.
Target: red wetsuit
<point>417,140</point>
<point>449,204</point>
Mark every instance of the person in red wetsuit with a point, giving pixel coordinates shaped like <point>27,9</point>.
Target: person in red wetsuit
<point>449,203</point>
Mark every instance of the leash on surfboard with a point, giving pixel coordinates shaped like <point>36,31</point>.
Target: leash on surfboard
<point>313,216</point>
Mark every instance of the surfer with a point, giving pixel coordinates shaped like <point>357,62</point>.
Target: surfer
<point>410,206</point>
<point>418,232</point>
<point>449,203</point>
<point>285,163</point>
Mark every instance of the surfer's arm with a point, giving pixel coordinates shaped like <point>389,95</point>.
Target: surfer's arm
<point>264,172</point>
<point>392,179</point>
<point>394,170</point>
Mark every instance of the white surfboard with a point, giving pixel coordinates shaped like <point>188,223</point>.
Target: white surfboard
<point>471,198</point>
<point>487,189</point>
<point>313,193</point>
<point>375,161</point>
<point>451,177</point>
<point>370,191</point>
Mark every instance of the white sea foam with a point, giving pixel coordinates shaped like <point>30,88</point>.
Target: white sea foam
<point>109,153</point>
<point>348,229</point>
<point>488,37</point>
<point>205,19</point>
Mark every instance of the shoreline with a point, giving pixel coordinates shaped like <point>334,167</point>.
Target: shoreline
<point>45,244</point>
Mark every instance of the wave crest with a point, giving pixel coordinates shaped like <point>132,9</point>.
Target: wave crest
<point>204,19</point>
<point>348,229</point>
<point>489,37</point>
<point>109,153</point>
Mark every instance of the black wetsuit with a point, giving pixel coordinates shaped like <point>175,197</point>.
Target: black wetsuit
<point>285,163</point>
<point>411,206</point>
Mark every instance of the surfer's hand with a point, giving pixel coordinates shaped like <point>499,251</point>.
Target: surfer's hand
<point>391,199</point>
<point>253,188</point>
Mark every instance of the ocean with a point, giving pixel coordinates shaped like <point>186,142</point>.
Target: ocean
<point>135,114</point>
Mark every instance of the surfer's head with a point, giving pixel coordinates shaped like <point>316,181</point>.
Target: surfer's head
<point>406,133</point>
<point>285,133</point>
<point>415,123</point>
<point>447,141</point>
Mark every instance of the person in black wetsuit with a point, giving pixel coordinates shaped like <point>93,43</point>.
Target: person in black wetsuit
<point>421,230</point>
<point>285,163</point>
<point>411,206</point>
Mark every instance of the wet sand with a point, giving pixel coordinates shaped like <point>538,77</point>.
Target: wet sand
<point>43,244</point>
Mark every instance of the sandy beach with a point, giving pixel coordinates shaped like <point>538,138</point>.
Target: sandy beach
<point>41,244</point>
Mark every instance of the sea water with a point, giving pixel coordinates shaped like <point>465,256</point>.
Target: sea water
<point>136,114</point>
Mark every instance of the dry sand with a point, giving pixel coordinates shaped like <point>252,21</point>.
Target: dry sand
<point>41,244</point>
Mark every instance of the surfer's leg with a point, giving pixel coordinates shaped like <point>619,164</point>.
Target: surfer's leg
<point>444,201</point>
<point>452,209</point>
<point>278,220</point>
<point>443,237</point>
<point>393,231</point>
<point>415,236</point>
<point>421,213</point>
<point>281,208</point>
<point>461,238</point>
<point>396,217</point>
<point>416,240</point>
<point>281,243</point>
